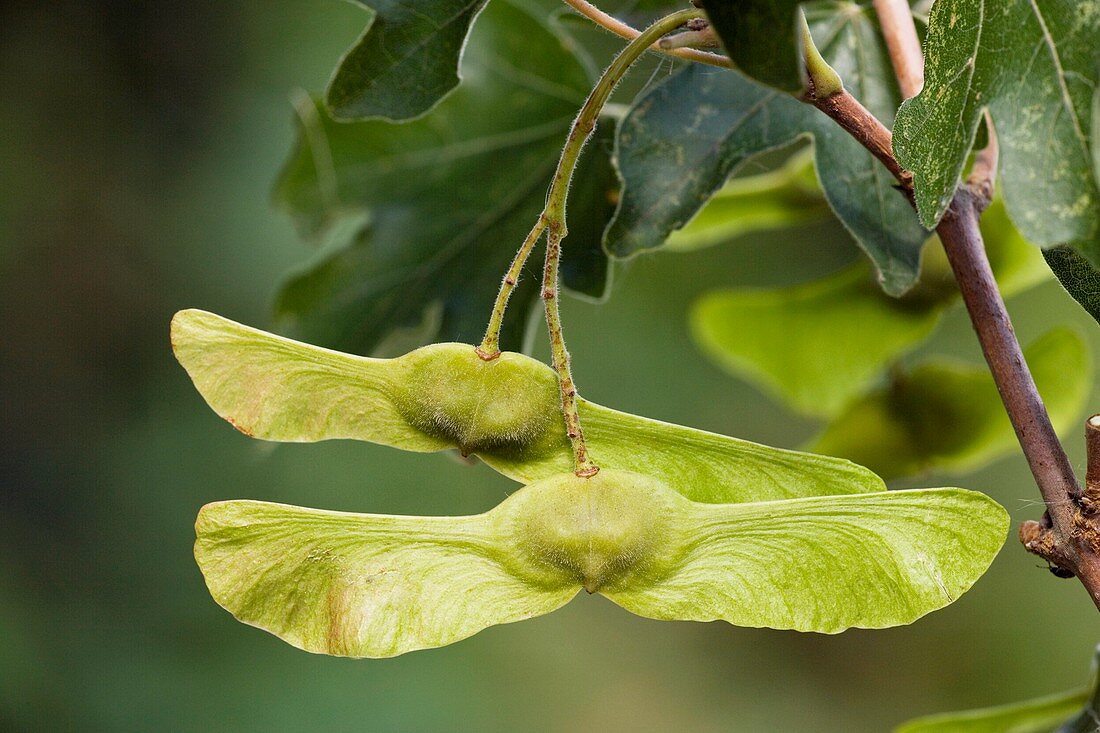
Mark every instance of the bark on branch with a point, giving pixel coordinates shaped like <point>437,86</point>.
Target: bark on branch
<point>1069,535</point>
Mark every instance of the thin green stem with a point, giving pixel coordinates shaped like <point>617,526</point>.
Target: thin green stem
<point>579,133</point>
<point>552,219</point>
<point>590,112</point>
<point>582,462</point>
<point>554,216</point>
<point>490,345</point>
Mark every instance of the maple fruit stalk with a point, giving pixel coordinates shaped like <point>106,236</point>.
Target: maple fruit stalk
<point>553,221</point>
<point>490,344</point>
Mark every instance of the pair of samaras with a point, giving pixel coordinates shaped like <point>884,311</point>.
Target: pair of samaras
<point>679,524</point>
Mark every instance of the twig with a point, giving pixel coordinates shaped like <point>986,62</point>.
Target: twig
<point>824,89</point>
<point>704,37</point>
<point>1091,494</point>
<point>962,240</point>
<point>983,174</point>
<point>900,33</point>
<point>628,32</point>
<point>858,122</point>
<point>1070,540</point>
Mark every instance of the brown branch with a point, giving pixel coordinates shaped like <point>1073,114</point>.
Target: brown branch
<point>628,32</point>
<point>983,174</point>
<point>901,39</point>
<point>858,122</point>
<point>1090,498</point>
<point>1068,537</point>
<point>1066,543</point>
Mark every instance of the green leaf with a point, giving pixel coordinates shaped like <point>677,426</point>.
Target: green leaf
<point>815,345</point>
<point>405,61</point>
<point>672,163</point>
<point>759,35</point>
<point>370,585</point>
<point>947,416</point>
<point>786,197</point>
<point>820,344</point>
<point>1034,66</point>
<point>1042,715</point>
<point>1017,263</point>
<point>1078,276</point>
<point>449,197</point>
<point>1060,713</point>
<point>505,411</point>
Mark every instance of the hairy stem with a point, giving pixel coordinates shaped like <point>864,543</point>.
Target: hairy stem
<point>582,462</point>
<point>490,344</point>
<point>554,215</point>
<point>623,30</point>
<point>553,220</point>
<point>597,98</point>
<point>581,130</point>
<point>1070,539</point>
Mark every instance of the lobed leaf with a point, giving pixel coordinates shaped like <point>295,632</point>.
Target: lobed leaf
<point>1034,66</point>
<point>448,197</point>
<point>672,163</point>
<point>505,411</point>
<point>405,61</point>
<point>818,345</point>
<point>371,585</point>
<point>943,415</point>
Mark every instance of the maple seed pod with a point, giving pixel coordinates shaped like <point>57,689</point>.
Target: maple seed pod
<point>273,388</point>
<point>602,532</point>
<point>505,406</point>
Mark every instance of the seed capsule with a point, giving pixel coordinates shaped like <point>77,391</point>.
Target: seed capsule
<point>600,532</point>
<point>507,406</point>
<point>506,410</point>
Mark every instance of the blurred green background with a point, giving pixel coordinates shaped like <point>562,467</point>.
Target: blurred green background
<point>138,144</point>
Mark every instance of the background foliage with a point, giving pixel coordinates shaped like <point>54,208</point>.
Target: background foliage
<point>137,170</point>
